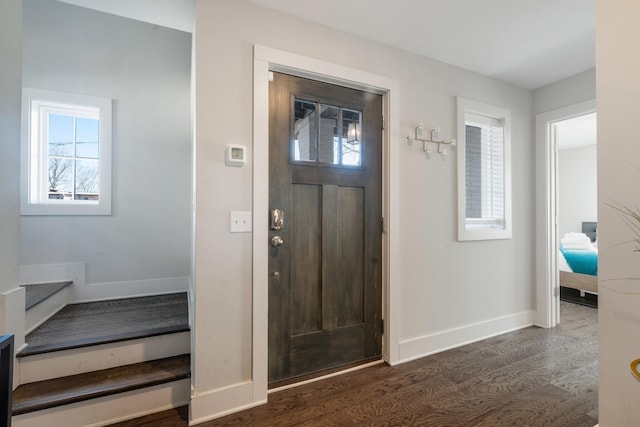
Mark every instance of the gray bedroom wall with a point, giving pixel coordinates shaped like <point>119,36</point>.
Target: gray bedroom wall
<point>578,188</point>
<point>145,69</point>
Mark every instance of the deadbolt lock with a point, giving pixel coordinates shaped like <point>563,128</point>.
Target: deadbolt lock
<point>277,219</point>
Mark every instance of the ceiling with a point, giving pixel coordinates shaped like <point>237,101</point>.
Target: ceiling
<point>528,43</point>
<point>176,14</point>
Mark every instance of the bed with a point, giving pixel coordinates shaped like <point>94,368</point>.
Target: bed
<point>579,265</point>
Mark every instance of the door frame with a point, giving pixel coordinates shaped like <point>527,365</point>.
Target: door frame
<point>547,277</point>
<point>266,59</point>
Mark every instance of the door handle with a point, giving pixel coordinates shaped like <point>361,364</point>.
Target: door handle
<point>276,241</point>
<point>277,219</point>
<point>634,369</point>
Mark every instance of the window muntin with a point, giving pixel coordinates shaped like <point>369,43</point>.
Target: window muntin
<point>484,171</point>
<point>66,154</point>
<point>351,137</point>
<point>326,134</point>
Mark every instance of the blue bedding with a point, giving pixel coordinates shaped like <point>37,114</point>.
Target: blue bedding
<point>581,261</point>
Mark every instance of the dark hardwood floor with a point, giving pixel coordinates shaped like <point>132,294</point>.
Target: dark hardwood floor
<point>85,324</point>
<point>77,388</point>
<point>530,377</point>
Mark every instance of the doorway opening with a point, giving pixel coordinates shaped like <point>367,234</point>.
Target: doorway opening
<point>577,207</point>
<point>577,124</point>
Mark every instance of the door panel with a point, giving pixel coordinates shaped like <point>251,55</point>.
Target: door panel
<point>350,259</point>
<point>306,256</point>
<point>325,174</point>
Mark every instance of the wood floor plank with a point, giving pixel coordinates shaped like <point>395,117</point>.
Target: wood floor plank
<point>522,411</point>
<point>530,377</point>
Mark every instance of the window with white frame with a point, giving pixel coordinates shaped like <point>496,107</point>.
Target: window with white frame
<point>66,154</point>
<point>484,171</point>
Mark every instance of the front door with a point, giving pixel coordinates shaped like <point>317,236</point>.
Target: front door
<point>325,261</point>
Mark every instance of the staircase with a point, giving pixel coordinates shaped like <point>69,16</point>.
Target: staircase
<point>97,363</point>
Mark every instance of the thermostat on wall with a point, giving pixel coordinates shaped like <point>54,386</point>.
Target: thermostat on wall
<point>236,155</point>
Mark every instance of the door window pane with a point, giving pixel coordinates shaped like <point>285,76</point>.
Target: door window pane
<point>351,136</point>
<point>328,151</point>
<point>304,139</point>
<point>326,134</point>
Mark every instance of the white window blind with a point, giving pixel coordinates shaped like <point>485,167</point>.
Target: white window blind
<point>485,180</point>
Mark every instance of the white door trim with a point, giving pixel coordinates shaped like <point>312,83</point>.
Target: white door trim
<point>267,59</point>
<point>547,313</point>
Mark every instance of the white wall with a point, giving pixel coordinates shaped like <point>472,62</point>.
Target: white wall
<point>618,88</point>
<point>577,188</point>
<point>10,95</point>
<point>565,92</point>
<point>10,88</point>
<point>445,285</point>
<point>145,69</point>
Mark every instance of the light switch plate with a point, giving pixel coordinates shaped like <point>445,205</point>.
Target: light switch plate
<point>240,222</point>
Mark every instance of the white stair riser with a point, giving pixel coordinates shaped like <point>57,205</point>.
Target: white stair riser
<point>110,409</point>
<point>86,359</point>
<point>39,313</point>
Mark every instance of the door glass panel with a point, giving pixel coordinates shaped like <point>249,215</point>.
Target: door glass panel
<point>351,134</point>
<point>333,138</point>
<point>328,141</point>
<point>304,140</point>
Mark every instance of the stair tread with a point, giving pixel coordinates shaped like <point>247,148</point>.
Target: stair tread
<point>37,292</point>
<point>76,388</point>
<point>85,324</point>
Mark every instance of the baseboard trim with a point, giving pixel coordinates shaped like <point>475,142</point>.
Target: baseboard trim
<point>220,402</point>
<point>81,291</point>
<point>426,345</point>
<point>48,273</point>
<point>129,289</point>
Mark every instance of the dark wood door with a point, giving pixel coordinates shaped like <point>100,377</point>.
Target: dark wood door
<point>325,175</point>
